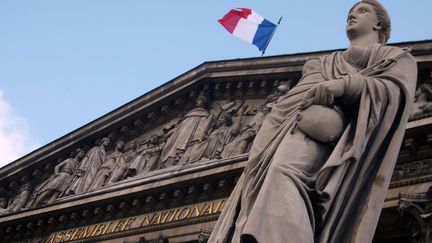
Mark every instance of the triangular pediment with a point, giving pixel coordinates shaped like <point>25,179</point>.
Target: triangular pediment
<point>186,141</point>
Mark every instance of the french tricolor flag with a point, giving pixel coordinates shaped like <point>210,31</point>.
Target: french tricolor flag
<point>249,26</point>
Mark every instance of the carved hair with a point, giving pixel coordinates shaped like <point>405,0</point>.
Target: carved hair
<point>104,139</point>
<point>228,119</point>
<point>203,96</point>
<point>79,150</point>
<point>383,18</point>
<point>132,145</point>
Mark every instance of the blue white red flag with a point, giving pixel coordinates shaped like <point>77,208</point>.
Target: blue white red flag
<point>249,26</point>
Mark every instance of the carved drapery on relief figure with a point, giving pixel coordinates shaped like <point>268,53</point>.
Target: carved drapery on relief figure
<point>189,131</point>
<point>225,131</point>
<point>120,169</point>
<point>105,170</point>
<point>89,167</point>
<point>4,201</point>
<point>22,195</point>
<point>423,101</point>
<point>241,143</point>
<point>147,156</point>
<point>57,184</point>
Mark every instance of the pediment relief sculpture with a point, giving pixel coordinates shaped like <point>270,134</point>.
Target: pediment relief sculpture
<point>59,182</point>
<point>89,167</point>
<point>210,130</point>
<point>423,102</point>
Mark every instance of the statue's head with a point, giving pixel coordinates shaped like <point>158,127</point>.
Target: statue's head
<point>379,14</point>
<point>80,153</point>
<point>105,141</point>
<point>3,198</point>
<point>225,119</point>
<point>120,145</point>
<point>3,202</point>
<point>154,139</point>
<point>132,146</point>
<point>202,100</point>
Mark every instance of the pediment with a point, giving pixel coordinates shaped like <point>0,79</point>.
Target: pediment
<point>189,137</point>
<point>160,133</point>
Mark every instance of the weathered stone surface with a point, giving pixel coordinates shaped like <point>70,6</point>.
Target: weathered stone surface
<point>242,91</point>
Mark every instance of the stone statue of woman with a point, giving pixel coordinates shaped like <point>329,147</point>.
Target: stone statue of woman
<point>325,180</point>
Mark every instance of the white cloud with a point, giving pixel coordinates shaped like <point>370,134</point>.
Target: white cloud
<point>14,134</point>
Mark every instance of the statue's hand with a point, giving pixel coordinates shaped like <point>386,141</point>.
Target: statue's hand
<point>323,93</point>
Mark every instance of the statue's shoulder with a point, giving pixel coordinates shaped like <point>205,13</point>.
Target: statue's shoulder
<point>395,52</point>
<point>311,66</point>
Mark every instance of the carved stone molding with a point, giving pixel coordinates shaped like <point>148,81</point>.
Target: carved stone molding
<point>171,196</point>
<point>413,169</point>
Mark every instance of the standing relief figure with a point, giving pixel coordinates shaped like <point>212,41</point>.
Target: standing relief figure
<point>319,167</point>
<point>104,171</point>
<point>89,167</point>
<point>189,131</point>
<point>241,143</point>
<point>4,201</point>
<point>21,198</point>
<point>119,171</point>
<point>147,156</point>
<point>57,184</point>
<point>224,132</point>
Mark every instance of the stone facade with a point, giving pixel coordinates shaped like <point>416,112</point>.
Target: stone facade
<point>160,168</point>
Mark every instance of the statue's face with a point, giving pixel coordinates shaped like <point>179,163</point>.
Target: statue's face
<point>120,145</point>
<point>199,102</point>
<point>362,20</point>
<point>221,119</point>
<point>131,146</point>
<point>106,141</point>
<point>3,202</point>
<point>153,139</point>
<point>81,154</point>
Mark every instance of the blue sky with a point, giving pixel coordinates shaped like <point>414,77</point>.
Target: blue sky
<point>64,63</point>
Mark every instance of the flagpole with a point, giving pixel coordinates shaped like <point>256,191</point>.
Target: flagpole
<point>268,41</point>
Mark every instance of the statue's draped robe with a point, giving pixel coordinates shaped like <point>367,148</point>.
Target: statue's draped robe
<point>90,165</point>
<point>147,159</point>
<point>191,128</point>
<point>342,199</point>
<point>218,139</point>
<point>103,172</point>
<point>59,180</point>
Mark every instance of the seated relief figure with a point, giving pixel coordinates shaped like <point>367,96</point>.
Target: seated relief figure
<point>89,167</point>
<point>423,100</point>
<point>105,170</point>
<point>57,184</point>
<point>189,131</point>
<point>306,185</point>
